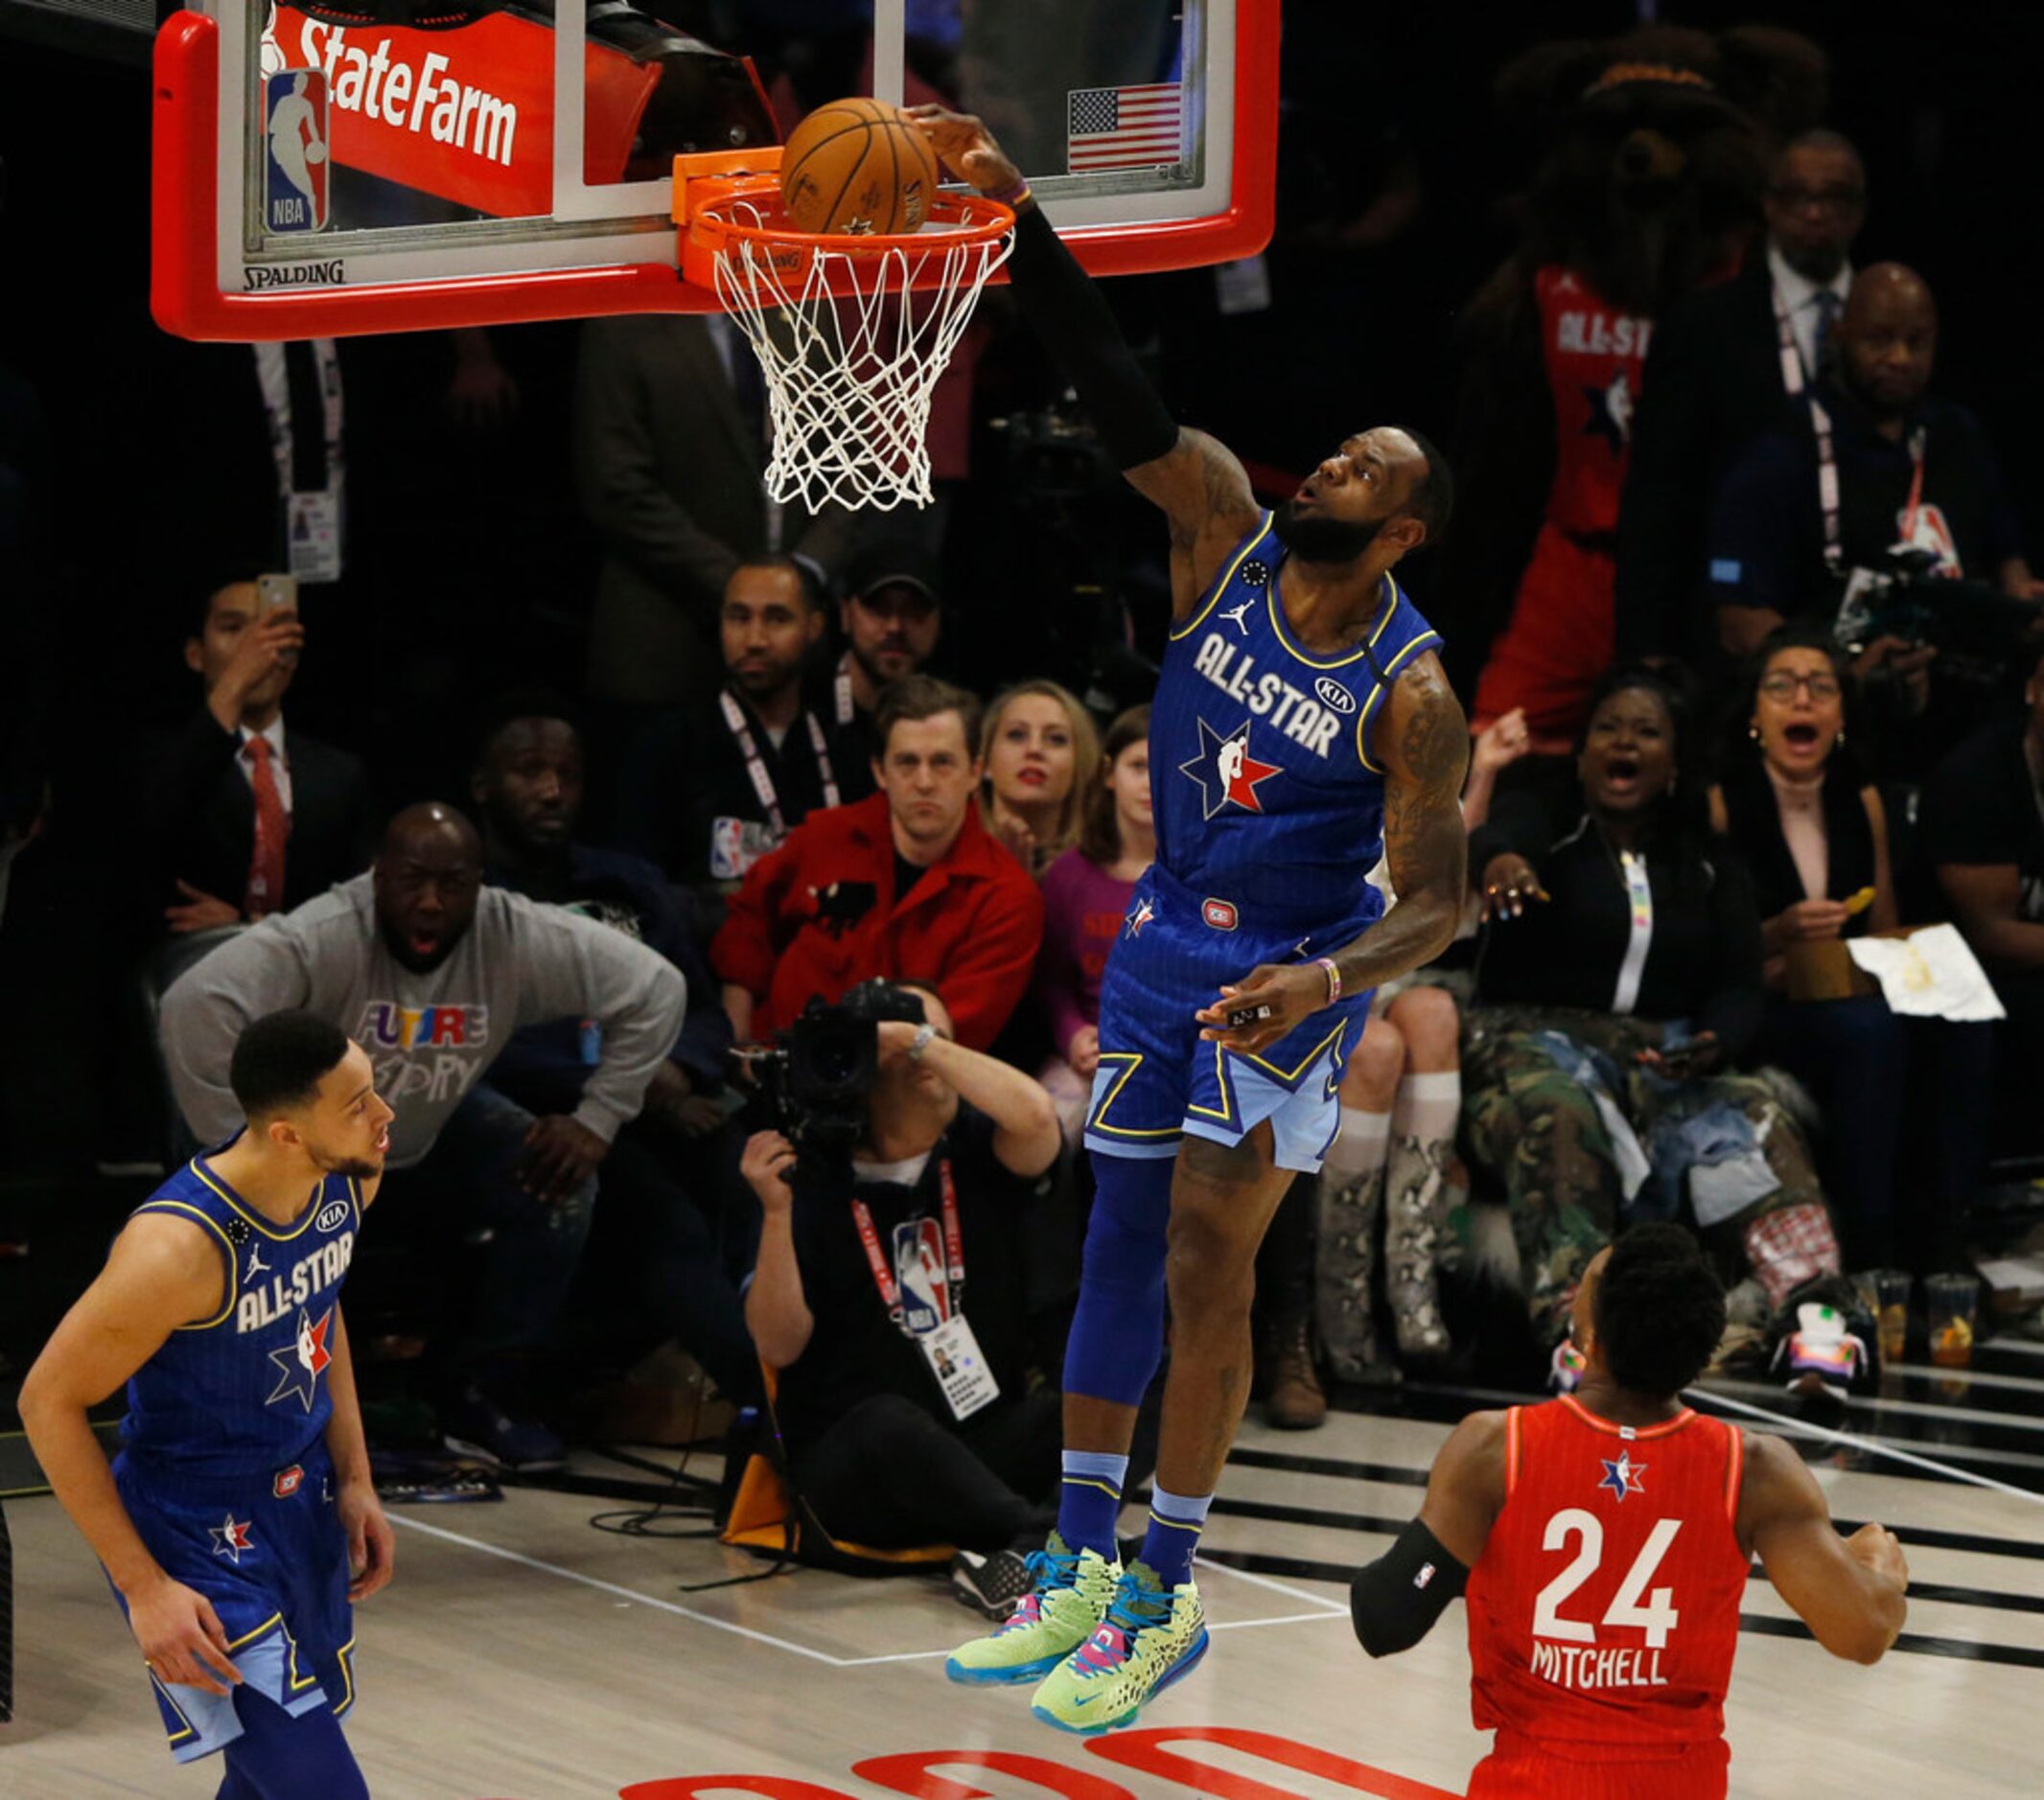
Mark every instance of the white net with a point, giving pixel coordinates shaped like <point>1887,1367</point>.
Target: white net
<point>852,344</point>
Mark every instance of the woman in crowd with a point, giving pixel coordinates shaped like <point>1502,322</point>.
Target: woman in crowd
<point>1038,749</point>
<point>1620,980</point>
<point>1085,898</point>
<point>1793,797</point>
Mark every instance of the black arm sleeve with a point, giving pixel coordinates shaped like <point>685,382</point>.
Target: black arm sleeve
<point>1074,321</point>
<point>1394,1602</point>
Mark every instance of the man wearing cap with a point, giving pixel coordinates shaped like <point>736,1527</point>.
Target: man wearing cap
<point>892,617</point>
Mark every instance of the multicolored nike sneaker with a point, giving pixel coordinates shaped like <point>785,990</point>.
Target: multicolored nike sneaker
<point>1148,1639</point>
<point>1068,1599</point>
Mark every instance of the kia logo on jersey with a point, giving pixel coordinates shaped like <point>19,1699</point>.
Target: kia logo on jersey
<point>1219,913</point>
<point>334,1212</point>
<point>1333,694</point>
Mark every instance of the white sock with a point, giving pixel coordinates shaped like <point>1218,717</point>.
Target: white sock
<point>1426,1106</point>
<point>1363,1145</point>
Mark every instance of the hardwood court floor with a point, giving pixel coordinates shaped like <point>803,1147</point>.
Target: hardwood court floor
<point>521,1655</point>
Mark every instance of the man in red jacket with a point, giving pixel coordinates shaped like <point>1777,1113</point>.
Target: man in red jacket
<point>907,885</point>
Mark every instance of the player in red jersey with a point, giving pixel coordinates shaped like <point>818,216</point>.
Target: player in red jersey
<point>1604,1540</point>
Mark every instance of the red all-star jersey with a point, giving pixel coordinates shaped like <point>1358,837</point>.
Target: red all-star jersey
<point>1603,1611</point>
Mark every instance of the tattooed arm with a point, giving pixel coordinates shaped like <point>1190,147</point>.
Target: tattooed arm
<point>1424,746</point>
<point>1205,493</point>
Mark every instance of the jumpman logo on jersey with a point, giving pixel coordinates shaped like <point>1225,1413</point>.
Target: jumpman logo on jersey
<point>256,1265</point>
<point>1239,615</point>
<point>1622,1477</point>
<point>1226,772</point>
<point>1142,915</point>
<point>230,1537</point>
<point>304,1360</point>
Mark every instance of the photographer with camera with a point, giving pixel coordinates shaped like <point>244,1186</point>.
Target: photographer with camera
<point>893,1293</point>
<point>1884,509</point>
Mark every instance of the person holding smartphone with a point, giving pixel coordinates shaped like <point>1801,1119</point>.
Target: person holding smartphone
<point>1619,982</point>
<point>243,815</point>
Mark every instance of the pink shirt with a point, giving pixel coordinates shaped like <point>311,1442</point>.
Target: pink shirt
<point>1084,908</point>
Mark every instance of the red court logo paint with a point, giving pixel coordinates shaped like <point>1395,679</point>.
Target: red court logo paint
<point>914,1772</point>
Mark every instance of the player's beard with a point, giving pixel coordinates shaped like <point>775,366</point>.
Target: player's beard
<point>1324,539</point>
<point>353,1168</point>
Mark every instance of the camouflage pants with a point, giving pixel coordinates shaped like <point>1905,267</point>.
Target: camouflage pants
<point>1537,1130</point>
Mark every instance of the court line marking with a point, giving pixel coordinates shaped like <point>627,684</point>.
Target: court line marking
<point>2028,1422</point>
<point>611,1587</point>
<point>1328,1608</point>
<point>803,1649</point>
<point>1781,1422</point>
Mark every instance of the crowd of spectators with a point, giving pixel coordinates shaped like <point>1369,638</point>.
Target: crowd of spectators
<point>768,767</point>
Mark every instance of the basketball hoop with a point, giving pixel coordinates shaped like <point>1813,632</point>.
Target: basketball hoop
<point>851,333</point>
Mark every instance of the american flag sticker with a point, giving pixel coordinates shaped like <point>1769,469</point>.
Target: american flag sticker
<point>1124,128</point>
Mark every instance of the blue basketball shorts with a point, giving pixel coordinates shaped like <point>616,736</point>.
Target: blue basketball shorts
<point>1158,1080</point>
<point>271,1556</point>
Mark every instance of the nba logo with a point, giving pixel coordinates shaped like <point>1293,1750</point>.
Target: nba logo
<point>294,188</point>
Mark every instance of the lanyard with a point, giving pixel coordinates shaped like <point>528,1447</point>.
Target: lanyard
<point>1827,483</point>
<point>1639,897</point>
<point>954,1296</point>
<point>755,764</point>
<point>275,383</point>
<point>847,712</point>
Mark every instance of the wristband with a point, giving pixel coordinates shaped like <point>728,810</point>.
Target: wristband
<point>1011,195</point>
<point>1333,978</point>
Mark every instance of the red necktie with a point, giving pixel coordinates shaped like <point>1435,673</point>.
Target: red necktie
<point>272,826</point>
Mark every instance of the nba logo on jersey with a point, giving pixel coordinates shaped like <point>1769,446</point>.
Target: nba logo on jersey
<point>294,187</point>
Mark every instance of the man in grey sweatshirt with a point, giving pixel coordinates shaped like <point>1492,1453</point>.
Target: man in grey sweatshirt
<point>432,973</point>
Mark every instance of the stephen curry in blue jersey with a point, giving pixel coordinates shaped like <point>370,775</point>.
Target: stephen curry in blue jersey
<point>1302,725</point>
<point>238,1523</point>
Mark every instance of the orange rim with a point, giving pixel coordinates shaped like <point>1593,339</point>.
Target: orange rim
<point>972,220</point>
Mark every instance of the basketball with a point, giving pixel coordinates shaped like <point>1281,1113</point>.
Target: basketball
<point>857,168</point>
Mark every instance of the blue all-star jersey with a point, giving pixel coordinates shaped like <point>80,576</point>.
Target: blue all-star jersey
<point>244,1392</point>
<point>1268,796</point>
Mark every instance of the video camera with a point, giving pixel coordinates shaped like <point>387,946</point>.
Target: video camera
<point>812,1084</point>
<point>1907,598</point>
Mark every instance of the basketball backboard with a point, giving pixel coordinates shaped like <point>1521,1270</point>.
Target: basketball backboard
<point>333,167</point>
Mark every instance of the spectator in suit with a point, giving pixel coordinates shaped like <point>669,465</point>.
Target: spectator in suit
<point>906,885</point>
<point>712,788</point>
<point>892,617</point>
<point>431,972</point>
<point>1914,474</point>
<point>1718,375</point>
<point>246,817</point>
<point>527,787</point>
<point>669,442</point>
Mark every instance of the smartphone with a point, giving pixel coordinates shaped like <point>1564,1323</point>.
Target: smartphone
<point>274,592</point>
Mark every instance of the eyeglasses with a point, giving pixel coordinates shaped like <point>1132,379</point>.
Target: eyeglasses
<point>1783,686</point>
<point>1827,200</point>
